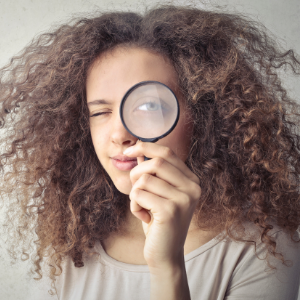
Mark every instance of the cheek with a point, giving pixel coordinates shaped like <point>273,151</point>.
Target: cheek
<point>184,141</point>
<point>179,140</point>
<point>99,141</point>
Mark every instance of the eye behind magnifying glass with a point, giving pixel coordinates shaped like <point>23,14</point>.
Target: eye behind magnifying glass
<point>153,105</point>
<point>149,110</point>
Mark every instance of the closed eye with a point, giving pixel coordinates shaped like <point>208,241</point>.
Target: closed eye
<point>99,114</point>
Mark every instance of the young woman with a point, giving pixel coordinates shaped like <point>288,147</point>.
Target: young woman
<point>212,215</point>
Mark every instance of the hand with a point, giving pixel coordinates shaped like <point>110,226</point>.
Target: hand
<point>164,195</point>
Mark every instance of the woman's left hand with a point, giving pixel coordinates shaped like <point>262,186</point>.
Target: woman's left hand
<point>164,195</point>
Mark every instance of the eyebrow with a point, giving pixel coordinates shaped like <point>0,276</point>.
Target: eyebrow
<point>97,102</point>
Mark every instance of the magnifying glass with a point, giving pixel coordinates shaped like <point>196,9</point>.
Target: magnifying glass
<point>149,111</point>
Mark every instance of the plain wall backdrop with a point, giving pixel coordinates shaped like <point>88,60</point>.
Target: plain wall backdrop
<point>22,20</point>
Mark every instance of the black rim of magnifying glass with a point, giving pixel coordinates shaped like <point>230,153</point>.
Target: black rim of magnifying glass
<point>153,140</point>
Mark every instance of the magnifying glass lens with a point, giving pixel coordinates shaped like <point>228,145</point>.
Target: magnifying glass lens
<point>150,111</point>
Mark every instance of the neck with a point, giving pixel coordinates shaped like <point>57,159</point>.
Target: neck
<point>133,225</point>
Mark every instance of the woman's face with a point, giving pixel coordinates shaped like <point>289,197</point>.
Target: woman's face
<point>109,78</point>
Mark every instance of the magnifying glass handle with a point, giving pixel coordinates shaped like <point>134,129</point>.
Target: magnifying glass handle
<point>153,140</point>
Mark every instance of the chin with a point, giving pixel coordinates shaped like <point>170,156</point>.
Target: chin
<point>123,187</point>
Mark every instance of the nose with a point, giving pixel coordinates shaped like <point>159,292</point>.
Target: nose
<point>119,134</point>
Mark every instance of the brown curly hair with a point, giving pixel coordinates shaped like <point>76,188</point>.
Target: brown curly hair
<point>245,144</point>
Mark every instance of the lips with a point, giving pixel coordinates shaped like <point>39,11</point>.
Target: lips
<point>123,158</point>
<point>124,163</point>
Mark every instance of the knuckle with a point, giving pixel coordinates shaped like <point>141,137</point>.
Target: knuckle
<point>185,201</point>
<point>171,211</point>
<point>196,191</point>
<point>158,162</point>
<point>145,178</point>
<point>134,194</point>
<point>168,152</point>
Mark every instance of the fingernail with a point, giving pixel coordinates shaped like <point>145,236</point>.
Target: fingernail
<point>128,150</point>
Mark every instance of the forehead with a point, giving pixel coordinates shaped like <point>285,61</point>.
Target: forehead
<point>114,72</point>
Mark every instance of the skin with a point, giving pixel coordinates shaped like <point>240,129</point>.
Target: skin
<point>163,191</point>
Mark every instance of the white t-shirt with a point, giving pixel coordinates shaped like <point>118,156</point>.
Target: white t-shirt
<point>217,270</point>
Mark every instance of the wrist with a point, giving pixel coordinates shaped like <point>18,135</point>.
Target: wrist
<point>169,282</point>
<point>165,274</point>
<point>172,262</point>
<point>167,268</point>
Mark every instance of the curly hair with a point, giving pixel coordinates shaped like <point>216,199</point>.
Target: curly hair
<point>245,143</point>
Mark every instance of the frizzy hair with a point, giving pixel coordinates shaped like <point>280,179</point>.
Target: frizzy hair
<point>245,144</point>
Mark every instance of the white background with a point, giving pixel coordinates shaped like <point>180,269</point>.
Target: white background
<point>21,20</point>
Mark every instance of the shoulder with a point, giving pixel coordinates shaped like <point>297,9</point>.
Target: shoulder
<point>285,244</point>
<point>73,278</point>
<point>260,275</point>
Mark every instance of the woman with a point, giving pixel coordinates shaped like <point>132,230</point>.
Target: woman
<point>213,215</point>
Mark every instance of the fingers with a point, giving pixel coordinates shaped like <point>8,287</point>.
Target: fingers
<point>162,169</point>
<point>161,194</point>
<point>162,209</point>
<point>157,186</point>
<point>153,150</point>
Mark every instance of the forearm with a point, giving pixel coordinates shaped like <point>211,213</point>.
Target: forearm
<point>170,283</point>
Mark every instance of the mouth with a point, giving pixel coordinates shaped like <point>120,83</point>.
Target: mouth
<point>123,158</point>
<point>124,165</point>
